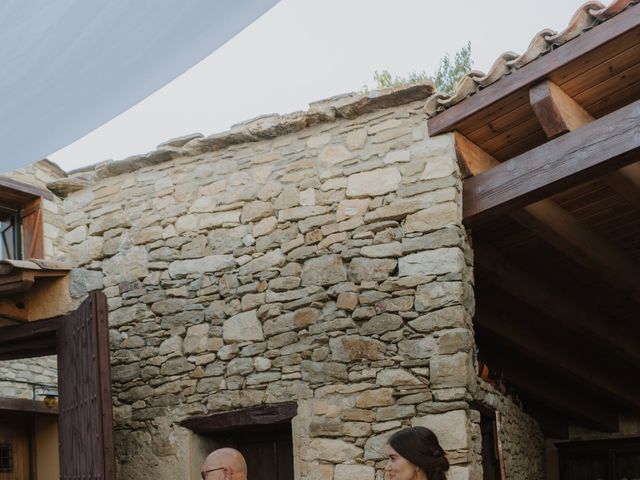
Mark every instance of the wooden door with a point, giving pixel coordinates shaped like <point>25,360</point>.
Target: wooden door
<point>15,449</point>
<point>84,381</point>
<point>268,452</point>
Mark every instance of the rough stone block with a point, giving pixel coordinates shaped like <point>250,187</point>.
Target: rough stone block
<point>197,339</point>
<point>243,327</point>
<point>369,269</point>
<point>436,295</point>
<point>454,340</point>
<point>273,258</point>
<point>447,371</point>
<point>323,372</point>
<point>382,323</point>
<point>380,397</point>
<point>440,166</point>
<point>394,377</point>
<point>449,317</point>
<point>354,472</point>
<point>449,427</point>
<point>417,347</point>
<point>351,207</point>
<point>210,264</point>
<point>255,211</point>
<point>393,249</point>
<point>373,183</point>
<point>347,301</point>
<point>349,348</point>
<point>324,270</point>
<point>433,218</point>
<point>431,262</point>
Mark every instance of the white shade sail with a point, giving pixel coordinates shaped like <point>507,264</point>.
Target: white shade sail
<point>68,66</point>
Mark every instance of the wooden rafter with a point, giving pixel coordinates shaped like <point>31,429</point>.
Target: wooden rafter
<point>602,146</point>
<point>552,390</point>
<point>558,113</point>
<point>525,332</point>
<point>561,229</point>
<point>542,294</point>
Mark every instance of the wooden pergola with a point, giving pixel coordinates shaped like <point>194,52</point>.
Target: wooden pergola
<point>552,200</point>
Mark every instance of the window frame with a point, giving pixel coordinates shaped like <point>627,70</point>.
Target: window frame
<point>17,235</point>
<point>27,201</point>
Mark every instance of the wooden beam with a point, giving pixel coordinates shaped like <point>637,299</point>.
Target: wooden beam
<point>604,145</point>
<point>33,339</point>
<point>247,417</point>
<point>561,229</point>
<point>535,71</point>
<point>626,182</point>
<point>551,299</point>
<point>520,327</point>
<point>581,243</point>
<point>558,113</point>
<point>25,405</point>
<point>472,159</point>
<point>547,387</point>
<point>15,192</point>
<point>13,333</point>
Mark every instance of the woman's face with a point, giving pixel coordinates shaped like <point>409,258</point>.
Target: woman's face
<point>399,468</point>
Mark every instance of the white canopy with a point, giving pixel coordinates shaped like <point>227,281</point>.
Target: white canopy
<point>68,66</point>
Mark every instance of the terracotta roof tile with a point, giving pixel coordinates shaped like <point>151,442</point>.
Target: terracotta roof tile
<point>585,18</point>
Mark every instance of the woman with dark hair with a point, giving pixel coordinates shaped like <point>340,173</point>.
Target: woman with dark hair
<point>415,454</point>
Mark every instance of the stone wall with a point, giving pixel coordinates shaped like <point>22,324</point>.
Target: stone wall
<point>317,258</point>
<point>522,441</point>
<point>18,376</point>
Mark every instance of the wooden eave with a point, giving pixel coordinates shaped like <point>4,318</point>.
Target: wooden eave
<point>13,192</point>
<point>551,160</point>
<point>32,290</point>
<point>600,69</point>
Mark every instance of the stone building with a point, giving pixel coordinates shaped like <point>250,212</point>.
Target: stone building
<point>305,285</point>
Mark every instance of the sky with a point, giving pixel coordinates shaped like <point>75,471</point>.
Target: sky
<point>306,50</point>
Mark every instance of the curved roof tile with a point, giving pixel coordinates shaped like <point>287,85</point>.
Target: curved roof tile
<point>585,18</point>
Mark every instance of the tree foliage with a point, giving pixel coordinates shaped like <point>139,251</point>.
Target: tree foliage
<point>446,77</point>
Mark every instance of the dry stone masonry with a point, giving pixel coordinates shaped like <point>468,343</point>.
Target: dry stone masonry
<point>28,378</point>
<point>316,258</point>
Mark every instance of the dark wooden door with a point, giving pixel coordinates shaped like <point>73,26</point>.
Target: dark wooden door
<point>269,454</point>
<point>84,381</point>
<point>16,439</point>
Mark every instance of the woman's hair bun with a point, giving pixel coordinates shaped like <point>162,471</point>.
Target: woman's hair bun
<point>421,447</point>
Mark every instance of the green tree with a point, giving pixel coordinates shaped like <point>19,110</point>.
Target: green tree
<point>446,77</point>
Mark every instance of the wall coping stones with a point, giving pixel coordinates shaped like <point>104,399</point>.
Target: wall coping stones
<point>265,127</point>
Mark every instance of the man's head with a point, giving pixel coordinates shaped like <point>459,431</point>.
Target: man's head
<point>224,464</point>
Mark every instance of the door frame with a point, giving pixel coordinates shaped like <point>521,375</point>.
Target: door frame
<point>59,336</point>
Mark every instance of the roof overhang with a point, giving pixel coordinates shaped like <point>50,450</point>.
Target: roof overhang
<point>550,153</point>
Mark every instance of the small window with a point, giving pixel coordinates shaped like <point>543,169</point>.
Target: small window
<point>6,458</point>
<point>10,243</point>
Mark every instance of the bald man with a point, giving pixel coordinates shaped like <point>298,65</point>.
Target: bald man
<point>224,464</point>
